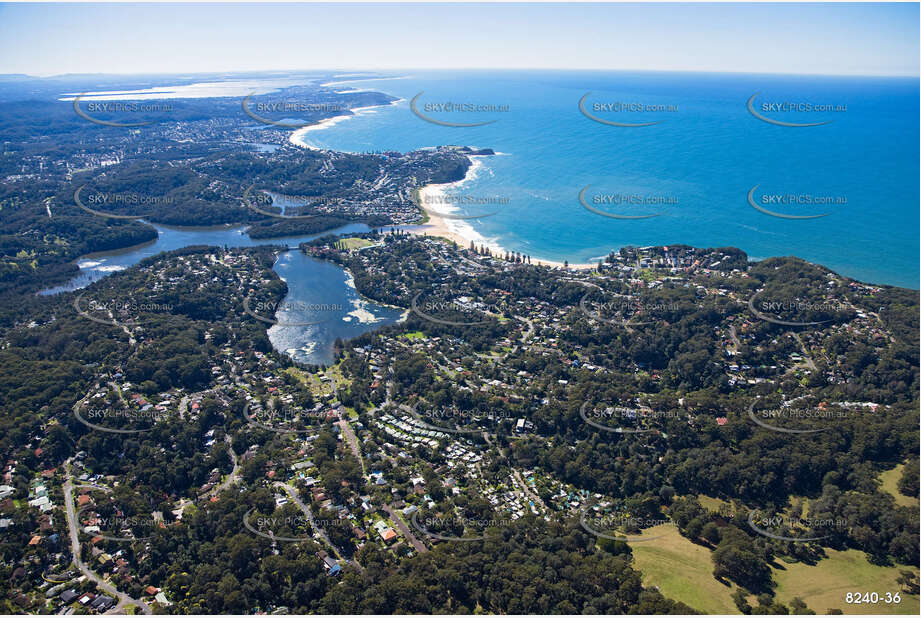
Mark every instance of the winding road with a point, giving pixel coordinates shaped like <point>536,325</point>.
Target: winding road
<point>296,498</point>
<point>352,439</point>
<point>806,357</point>
<point>527,490</point>
<point>231,478</point>
<point>403,528</point>
<point>123,599</point>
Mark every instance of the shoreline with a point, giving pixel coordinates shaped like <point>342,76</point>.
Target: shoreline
<point>457,231</point>
<point>350,283</point>
<point>460,231</point>
<point>297,137</point>
<point>437,225</point>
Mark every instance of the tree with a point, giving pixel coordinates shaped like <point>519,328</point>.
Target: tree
<point>736,560</point>
<point>908,581</point>
<point>711,533</point>
<point>908,483</point>
<point>798,606</point>
<point>694,528</point>
<point>739,598</point>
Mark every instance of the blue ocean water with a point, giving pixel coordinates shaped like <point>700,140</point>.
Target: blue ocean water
<point>700,162</point>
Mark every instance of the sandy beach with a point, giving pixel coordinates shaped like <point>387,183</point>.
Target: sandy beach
<point>297,138</point>
<point>459,230</point>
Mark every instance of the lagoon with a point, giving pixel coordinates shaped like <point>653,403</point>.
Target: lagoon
<point>311,282</point>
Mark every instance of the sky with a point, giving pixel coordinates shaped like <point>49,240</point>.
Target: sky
<point>838,39</point>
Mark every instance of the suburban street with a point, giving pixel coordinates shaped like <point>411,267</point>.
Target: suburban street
<point>72,525</point>
<point>404,529</point>
<point>295,497</point>
<point>232,478</point>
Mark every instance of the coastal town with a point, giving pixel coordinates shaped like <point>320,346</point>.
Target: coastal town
<point>193,430</point>
<point>399,469</point>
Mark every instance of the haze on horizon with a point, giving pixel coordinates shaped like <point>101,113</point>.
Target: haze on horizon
<point>836,39</point>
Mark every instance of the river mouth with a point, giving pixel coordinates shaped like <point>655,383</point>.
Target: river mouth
<point>322,304</point>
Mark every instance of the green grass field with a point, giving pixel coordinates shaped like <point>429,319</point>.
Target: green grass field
<point>889,480</point>
<point>335,373</point>
<point>824,585</point>
<point>711,504</point>
<point>682,571</point>
<point>356,243</point>
<point>317,388</point>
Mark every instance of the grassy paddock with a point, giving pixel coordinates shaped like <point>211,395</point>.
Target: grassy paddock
<point>356,243</point>
<point>311,381</point>
<point>824,585</point>
<point>889,480</point>
<point>682,571</point>
<point>712,504</point>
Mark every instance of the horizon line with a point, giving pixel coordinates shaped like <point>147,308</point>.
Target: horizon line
<point>569,69</point>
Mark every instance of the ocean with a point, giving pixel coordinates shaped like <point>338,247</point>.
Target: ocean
<point>712,172</point>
